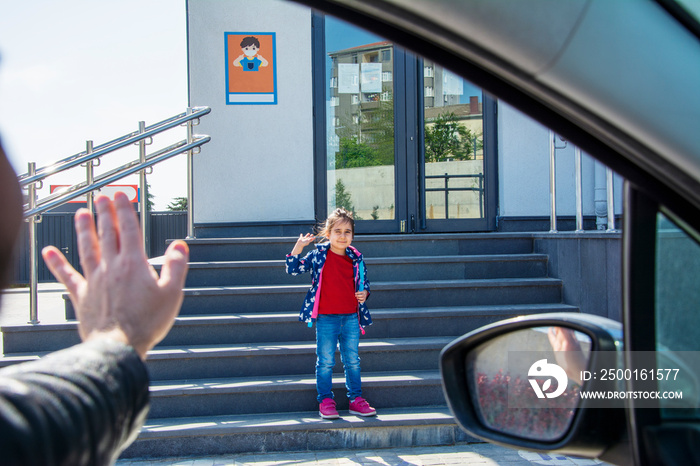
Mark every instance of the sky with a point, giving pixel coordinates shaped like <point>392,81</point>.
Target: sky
<point>77,70</point>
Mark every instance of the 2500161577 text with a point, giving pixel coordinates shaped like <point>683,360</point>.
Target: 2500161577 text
<point>631,374</point>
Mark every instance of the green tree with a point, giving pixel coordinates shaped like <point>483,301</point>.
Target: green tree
<point>354,154</point>
<point>446,138</point>
<point>380,130</point>
<point>367,138</point>
<point>150,203</point>
<point>177,204</point>
<point>343,198</point>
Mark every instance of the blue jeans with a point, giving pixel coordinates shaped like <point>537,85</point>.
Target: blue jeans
<point>332,329</point>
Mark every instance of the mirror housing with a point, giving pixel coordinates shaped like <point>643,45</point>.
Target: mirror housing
<point>594,432</point>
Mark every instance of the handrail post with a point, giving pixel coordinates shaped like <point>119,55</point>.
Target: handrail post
<point>190,181</point>
<point>481,195</point>
<point>611,201</point>
<point>447,196</point>
<point>90,178</point>
<point>33,253</point>
<point>143,198</point>
<point>579,199</point>
<point>552,184</point>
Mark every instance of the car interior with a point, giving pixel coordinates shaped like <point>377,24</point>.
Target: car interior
<point>589,70</point>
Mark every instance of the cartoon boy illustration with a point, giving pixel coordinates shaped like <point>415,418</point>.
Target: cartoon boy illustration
<point>250,60</point>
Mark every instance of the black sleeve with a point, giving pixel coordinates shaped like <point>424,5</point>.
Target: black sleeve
<point>79,406</point>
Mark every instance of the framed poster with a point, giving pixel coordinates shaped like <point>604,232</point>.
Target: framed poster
<point>251,68</point>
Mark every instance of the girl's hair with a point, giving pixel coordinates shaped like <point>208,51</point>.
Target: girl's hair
<point>338,215</point>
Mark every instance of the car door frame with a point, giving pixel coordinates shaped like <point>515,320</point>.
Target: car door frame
<point>653,440</point>
<point>638,298</point>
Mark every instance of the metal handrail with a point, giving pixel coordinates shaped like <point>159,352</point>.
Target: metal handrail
<point>553,147</point>
<point>34,178</point>
<point>116,144</point>
<point>62,197</point>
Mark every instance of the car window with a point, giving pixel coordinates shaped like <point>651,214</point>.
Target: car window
<point>692,7</point>
<point>678,315</point>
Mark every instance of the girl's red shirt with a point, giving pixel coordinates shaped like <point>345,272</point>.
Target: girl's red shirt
<point>338,287</point>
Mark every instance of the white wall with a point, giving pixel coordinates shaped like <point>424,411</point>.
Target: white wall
<point>523,165</point>
<point>259,163</point>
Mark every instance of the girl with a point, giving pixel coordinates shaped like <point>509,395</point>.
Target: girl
<point>338,307</point>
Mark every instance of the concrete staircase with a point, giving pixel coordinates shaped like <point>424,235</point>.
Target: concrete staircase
<point>236,373</point>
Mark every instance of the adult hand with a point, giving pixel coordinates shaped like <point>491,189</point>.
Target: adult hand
<point>121,296</point>
<point>567,352</point>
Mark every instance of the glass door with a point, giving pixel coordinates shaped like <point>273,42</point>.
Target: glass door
<point>360,132</point>
<point>402,140</point>
<point>454,194</point>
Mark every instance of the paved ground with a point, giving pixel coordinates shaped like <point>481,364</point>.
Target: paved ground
<point>14,304</point>
<point>474,454</point>
<point>14,309</point>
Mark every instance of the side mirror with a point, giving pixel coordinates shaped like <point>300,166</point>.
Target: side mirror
<point>518,383</point>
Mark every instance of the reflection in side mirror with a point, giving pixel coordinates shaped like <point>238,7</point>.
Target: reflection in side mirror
<point>517,383</point>
<point>526,383</point>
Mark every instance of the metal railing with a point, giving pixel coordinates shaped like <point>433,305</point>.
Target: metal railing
<point>33,180</point>
<point>447,189</point>
<point>553,147</point>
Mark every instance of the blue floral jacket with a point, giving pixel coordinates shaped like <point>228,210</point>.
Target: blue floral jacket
<point>313,262</point>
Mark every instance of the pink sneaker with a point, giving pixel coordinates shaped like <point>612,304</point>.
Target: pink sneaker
<point>327,409</point>
<point>360,407</point>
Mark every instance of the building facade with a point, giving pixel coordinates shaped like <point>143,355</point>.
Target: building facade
<point>356,121</point>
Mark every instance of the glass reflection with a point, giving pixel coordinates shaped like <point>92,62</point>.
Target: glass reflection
<point>526,383</point>
<point>454,146</point>
<point>360,125</point>
<point>677,300</point>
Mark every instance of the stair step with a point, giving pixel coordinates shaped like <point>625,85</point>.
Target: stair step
<point>275,358</point>
<point>387,323</point>
<point>251,299</point>
<point>272,272</point>
<point>285,326</point>
<point>277,394</point>
<point>424,293</point>
<point>291,358</point>
<point>242,249</point>
<point>296,431</point>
